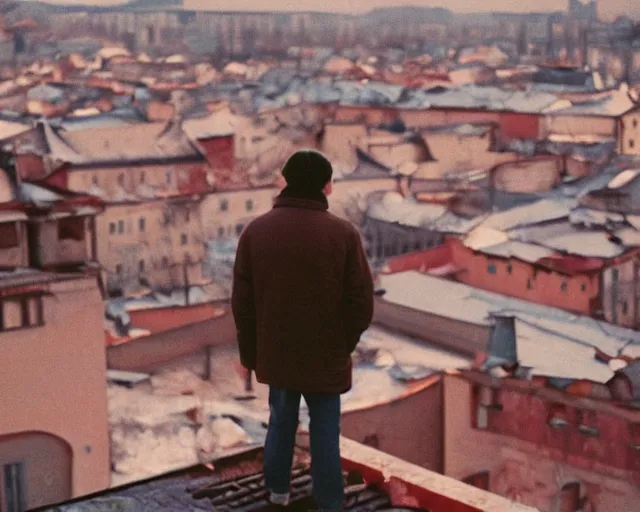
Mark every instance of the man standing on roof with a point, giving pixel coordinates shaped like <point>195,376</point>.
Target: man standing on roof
<point>302,296</point>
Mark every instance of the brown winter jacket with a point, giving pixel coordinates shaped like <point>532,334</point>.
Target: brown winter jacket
<point>302,296</point>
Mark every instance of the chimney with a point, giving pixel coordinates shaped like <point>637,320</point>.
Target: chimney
<point>502,340</point>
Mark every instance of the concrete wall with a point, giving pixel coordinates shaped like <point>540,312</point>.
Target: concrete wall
<point>464,338</point>
<point>528,176</point>
<point>52,480</point>
<point>18,255</point>
<point>348,197</point>
<point>149,353</point>
<point>159,244</point>
<point>61,367</point>
<point>521,279</point>
<point>51,250</point>
<point>241,207</point>
<point>409,428</point>
<point>509,276</point>
<point>520,470</point>
<point>116,180</point>
<point>620,289</point>
<point>578,125</point>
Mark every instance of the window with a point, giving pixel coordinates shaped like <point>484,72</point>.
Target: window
<point>168,174</point>
<point>112,228</point>
<point>509,268</point>
<point>569,499</point>
<point>249,205</point>
<point>165,262</point>
<point>486,400</point>
<point>119,269</point>
<point>143,177</point>
<point>13,487</point>
<point>120,226</point>
<point>563,286</point>
<point>491,268</point>
<point>239,228</point>
<point>632,143</point>
<point>8,235</point>
<point>371,440</point>
<point>583,287</point>
<point>529,284</point>
<point>224,205</point>
<point>220,232</point>
<point>121,179</point>
<point>21,312</point>
<point>141,266</point>
<point>634,123</point>
<point>141,224</point>
<point>71,228</point>
<point>479,480</point>
<point>94,180</point>
<point>184,239</point>
<point>625,307</point>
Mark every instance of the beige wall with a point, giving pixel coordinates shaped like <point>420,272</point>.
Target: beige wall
<point>629,143</point>
<point>454,153</point>
<point>528,176</point>
<point>348,197</point>
<point>339,141</point>
<point>577,125</point>
<point>618,294</point>
<point>461,337</point>
<point>159,245</point>
<point>160,177</point>
<point>55,375</point>
<point>519,469</point>
<point>238,211</point>
<point>52,480</point>
<point>409,428</point>
<point>16,256</point>
<point>53,251</point>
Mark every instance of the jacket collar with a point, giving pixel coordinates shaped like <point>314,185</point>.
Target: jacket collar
<point>301,199</point>
<point>298,202</point>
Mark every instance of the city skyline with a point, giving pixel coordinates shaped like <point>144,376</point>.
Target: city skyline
<point>607,10</point>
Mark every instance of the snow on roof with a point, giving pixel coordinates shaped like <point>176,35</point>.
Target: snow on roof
<point>519,250</point>
<point>113,51</point>
<point>544,210</point>
<point>10,129</point>
<point>623,178</point>
<point>615,104</point>
<point>34,194</point>
<point>176,59</point>
<point>492,98</point>
<point>593,244</point>
<point>130,142</point>
<point>218,124</point>
<point>338,65</point>
<point>392,207</point>
<point>236,68</point>
<point>59,149</point>
<point>572,338</point>
<point>46,93</point>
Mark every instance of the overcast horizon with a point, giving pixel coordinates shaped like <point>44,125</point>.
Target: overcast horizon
<point>609,9</point>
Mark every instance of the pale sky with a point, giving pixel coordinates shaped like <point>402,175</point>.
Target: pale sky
<point>609,9</point>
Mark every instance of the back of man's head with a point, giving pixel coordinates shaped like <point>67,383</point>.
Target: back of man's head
<point>307,170</point>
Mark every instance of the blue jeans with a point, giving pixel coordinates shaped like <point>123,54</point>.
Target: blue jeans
<point>324,429</point>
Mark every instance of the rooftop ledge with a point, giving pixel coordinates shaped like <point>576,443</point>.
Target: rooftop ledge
<point>409,485</point>
<point>235,482</point>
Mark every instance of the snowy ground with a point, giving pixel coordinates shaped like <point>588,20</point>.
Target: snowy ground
<point>179,419</point>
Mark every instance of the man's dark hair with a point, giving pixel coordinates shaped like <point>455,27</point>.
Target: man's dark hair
<point>307,170</point>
